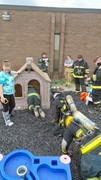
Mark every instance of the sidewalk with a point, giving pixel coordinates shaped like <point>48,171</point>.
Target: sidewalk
<point>69,88</point>
<point>72,87</point>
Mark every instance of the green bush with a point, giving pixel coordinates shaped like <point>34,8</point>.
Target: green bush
<point>59,81</point>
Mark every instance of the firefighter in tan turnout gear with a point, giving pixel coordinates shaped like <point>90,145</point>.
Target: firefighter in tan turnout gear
<point>67,72</point>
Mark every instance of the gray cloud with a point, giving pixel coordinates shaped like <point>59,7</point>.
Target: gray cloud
<point>56,3</point>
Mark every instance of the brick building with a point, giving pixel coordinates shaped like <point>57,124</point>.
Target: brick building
<point>28,31</point>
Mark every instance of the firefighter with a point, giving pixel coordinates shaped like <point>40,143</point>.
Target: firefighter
<point>87,134</point>
<point>43,62</point>
<point>90,149</point>
<point>62,115</point>
<point>80,71</point>
<point>58,107</point>
<point>34,102</point>
<point>96,84</point>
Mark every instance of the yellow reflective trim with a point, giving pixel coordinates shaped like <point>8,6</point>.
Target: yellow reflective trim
<point>63,151</point>
<point>31,94</point>
<point>37,106</point>
<point>91,145</point>
<point>77,76</point>
<point>79,67</point>
<point>30,107</point>
<point>68,120</point>
<point>86,71</point>
<point>62,122</point>
<point>79,133</point>
<point>94,77</point>
<point>97,102</point>
<point>77,91</point>
<point>99,153</point>
<point>93,178</point>
<point>95,87</point>
<point>64,107</point>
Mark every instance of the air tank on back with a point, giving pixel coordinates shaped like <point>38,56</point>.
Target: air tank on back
<point>79,117</point>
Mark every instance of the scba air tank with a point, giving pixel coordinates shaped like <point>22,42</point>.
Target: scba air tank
<point>84,121</point>
<point>71,103</point>
<point>81,118</point>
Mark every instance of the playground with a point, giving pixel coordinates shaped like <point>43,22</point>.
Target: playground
<point>35,134</point>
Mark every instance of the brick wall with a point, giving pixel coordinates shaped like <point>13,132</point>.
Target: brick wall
<point>30,32</point>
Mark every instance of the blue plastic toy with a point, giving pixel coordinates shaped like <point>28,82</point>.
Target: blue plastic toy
<point>22,165</point>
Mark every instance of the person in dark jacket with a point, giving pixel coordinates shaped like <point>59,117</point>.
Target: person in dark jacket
<point>90,149</point>
<point>43,62</point>
<point>34,102</point>
<point>96,84</point>
<point>80,71</point>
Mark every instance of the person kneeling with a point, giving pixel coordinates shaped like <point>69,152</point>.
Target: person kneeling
<point>34,102</point>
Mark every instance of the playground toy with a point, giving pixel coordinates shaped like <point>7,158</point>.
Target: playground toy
<point>30,74</point>
<point>86,96</point>
<point>22,165</point>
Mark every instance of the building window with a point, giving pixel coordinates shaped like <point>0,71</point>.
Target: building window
<point>18,90</point>
<point>56,51</point>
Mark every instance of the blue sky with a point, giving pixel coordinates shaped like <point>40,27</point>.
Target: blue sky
<point>93,4</point>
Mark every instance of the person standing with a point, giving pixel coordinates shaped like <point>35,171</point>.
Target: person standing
<point>7,91</point>
<point>43,62</point>
<point>80,71</point>
<point>67,73</point>
<point>96,84</point>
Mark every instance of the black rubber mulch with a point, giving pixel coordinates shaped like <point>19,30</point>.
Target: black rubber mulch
<point>35,134</point>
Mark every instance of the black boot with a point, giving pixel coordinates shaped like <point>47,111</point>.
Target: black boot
<point>98,107</point>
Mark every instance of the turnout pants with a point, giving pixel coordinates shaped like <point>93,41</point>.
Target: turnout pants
<point>79,83</point>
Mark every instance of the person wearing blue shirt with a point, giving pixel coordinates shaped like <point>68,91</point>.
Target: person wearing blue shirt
<point>7,91</point>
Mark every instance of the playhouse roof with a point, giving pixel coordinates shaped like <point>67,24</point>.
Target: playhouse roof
<point>31,65</point>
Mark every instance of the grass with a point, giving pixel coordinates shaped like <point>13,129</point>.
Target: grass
<point>59,81</point>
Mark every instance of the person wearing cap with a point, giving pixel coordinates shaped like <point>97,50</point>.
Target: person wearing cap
<point>96,84</point>
<point>7,91</point>
<point>43,62</point>
<point>80,71</point>
<point>67,72</point>
<point>34,102</point>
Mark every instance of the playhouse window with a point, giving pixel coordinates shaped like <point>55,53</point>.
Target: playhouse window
<point>18,90</point>
<point>35,84</point>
